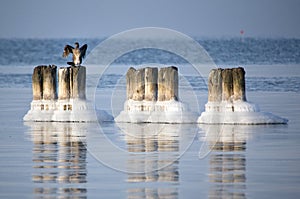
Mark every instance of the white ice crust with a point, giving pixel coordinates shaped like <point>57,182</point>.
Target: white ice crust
<point>72,110</point>
<point>76,110</point>
<point>171,111</point>
<point>237,112</point>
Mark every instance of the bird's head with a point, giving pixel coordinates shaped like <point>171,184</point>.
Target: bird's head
<point>76,45</point>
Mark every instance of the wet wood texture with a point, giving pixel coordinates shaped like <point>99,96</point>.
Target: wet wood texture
<point>226,85</point>
<point>152,84</point>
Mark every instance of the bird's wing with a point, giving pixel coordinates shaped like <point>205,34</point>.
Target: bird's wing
<point>67,50</point>
<point>83,50</point>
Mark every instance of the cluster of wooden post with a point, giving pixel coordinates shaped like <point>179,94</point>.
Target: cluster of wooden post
<point>71,82</point>
<point>226,85</point>
<point>152,84</point>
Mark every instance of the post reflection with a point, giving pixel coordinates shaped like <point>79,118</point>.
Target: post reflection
<point>59,159</point>
<point>227,174</point>
<point>162,143</point>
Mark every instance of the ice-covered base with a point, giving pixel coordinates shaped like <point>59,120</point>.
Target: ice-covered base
<point>237,112</point>
<point>156,112</point>
<point>72,110</point>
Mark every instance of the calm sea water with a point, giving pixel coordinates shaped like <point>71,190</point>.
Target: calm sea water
<point>16,53</point>
<point>234,51</point>
<point>79,160</point>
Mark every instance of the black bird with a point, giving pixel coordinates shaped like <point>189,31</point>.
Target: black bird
<point>78,53</point>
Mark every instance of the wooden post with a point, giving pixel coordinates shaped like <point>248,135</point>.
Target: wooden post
<point>37,83</point>
<point>215,85</point>
<point>151,84</point>
<point>77,82</point>
<point>130,82</point>
<point>227,87</point>
<point>49,82</point>
<point>168,84</point>
<point>172,83</point>
<point>161,85</point>
<point>64,83</point>
<point>139,91</point>
<point>239,90</point>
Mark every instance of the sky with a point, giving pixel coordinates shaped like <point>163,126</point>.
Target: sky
<point>102,18</point>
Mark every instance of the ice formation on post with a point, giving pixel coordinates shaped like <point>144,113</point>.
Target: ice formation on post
<point>227,102</point>
<point>152,96</point>
<point>69,105</point>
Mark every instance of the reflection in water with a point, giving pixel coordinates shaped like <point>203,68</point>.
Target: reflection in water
<point>165,193</point>
<point>59,159</point>
<point>161,142</point>
<point>227,160</point>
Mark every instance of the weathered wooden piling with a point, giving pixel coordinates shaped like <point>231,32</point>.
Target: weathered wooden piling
<point>239,85</point>
<point>161,85</point>
<point>37,83</point>
<point>77,82</point>
<point>49,82</point>
<point>64,83</point>
<point>151,84</point>
<point>227,87</point>
<point>168,84</point>
<point>215,85</point>
<point>130,81</point>
<point>139,83</point>
<point>172,83</point>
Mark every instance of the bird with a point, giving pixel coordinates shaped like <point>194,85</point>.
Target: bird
<point>78,53</point>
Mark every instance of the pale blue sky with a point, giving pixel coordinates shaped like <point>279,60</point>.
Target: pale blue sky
<point>98,18</point>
